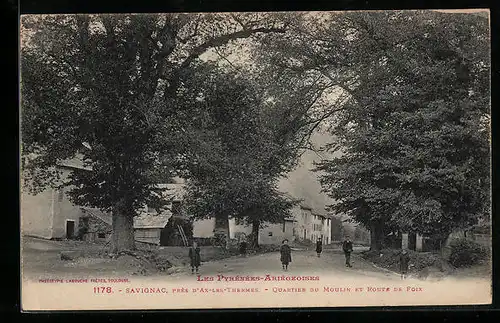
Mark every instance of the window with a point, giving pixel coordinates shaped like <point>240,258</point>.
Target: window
<point>270,234</point>
<point>101,235</point>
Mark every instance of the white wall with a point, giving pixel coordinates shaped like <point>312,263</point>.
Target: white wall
<point>64,210</point>
<point>317,228</point>
<point>277,233</point>
<point>326,231</point>
<point>203,228</point>
<point>37,214</point>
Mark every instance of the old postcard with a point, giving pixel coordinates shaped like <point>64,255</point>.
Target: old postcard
<point>255,160</point>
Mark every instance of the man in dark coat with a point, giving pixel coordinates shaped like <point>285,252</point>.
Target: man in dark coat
<point>319,246</point>
<point>286,254</point>
<point>194,256</point>
<point>404,261</point>
<point>347,248</point>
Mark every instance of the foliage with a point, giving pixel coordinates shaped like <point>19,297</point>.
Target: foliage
<point>109,82</point>
<point>466,253</point>
<point>233,154</point>
<point>411,151</point>
<point>419,261</point>
<point>414,149</point>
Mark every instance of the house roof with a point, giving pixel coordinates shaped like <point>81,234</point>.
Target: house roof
<point>142,221</point>
<point>148,221</point>
<point>74,163</point>
<point>98,214</point>
<point>305,206</point>
<point>290,196</point>
<point>321,213</point>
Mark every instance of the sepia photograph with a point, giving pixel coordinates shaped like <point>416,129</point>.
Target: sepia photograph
<point>255,160</point>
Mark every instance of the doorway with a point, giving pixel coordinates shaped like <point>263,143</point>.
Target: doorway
<point>70,229</point>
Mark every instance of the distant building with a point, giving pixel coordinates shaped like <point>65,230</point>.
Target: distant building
<point>303,225</point>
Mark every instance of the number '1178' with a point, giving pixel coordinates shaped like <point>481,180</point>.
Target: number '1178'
<point>102,290</point>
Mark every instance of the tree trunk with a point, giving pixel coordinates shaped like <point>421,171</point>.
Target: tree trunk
<point>376,236</point>
<point>123,231</point>
<point>255,234</point>
<point>222,228</point>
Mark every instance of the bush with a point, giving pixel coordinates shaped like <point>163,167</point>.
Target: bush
<point>466,253</point>
<point>389,259</point>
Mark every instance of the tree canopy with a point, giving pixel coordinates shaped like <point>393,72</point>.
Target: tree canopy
<point>110,82</point>
<point>415,139</point>
<point>234,151</point>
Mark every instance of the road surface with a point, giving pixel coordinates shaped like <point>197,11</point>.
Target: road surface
<point>41,258</point>
<point>304,262</point>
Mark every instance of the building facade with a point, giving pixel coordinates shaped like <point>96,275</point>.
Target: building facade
<point>50,214</point>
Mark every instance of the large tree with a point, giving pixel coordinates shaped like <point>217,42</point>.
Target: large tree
<point>233,152</point>
<point>391,74</point>
<point>414,140</point>
<point>110,82</point>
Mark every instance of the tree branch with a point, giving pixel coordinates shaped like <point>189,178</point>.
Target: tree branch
<point>174,79</point>
<point>222,40</point>
<point>226,59</point>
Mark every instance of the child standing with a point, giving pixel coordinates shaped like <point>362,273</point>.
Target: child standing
<point>404,261</point>
<point>319,246</point>
<point>286,254</point>
<point>194,256</point>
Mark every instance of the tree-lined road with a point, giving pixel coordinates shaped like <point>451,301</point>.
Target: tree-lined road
<point>304,262</point>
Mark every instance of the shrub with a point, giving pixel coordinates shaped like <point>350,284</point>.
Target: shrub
<point>465,253</point>
<point>389,258</point>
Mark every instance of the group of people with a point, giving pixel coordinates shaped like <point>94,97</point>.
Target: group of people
<point>286,252</point>
<point>286,255</point>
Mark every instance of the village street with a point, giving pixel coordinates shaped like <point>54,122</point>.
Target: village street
<point>304,262</point>
<point>43,261</point>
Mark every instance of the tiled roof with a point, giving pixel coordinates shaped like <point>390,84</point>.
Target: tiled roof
<point>148,221</point>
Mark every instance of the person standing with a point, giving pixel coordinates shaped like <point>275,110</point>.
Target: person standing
<point>286,254</point>
<point>319,246</point>
<point>194,256</point>
<point>404,262</point>
<point>243,248</point>
<point>347,248</point>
